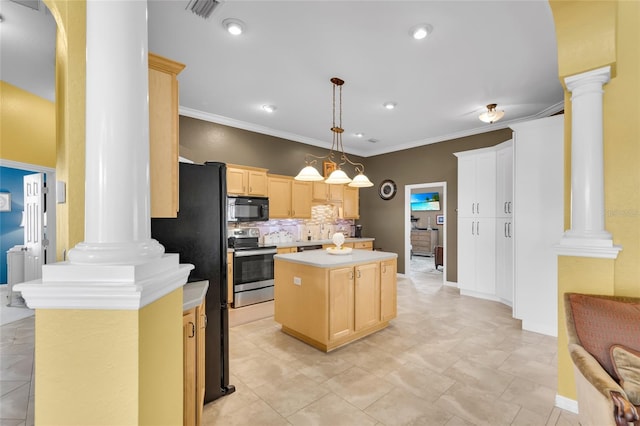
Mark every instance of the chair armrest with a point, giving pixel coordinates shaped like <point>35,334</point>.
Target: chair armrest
<point>594,372</point>
<point>624,412</point>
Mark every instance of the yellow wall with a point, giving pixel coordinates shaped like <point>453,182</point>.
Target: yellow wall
<point>96,367</point>
<point>161,361</point>
<point>70,16</point>
<point>590,35</point>
<point>28,130</point>
<point>86,364</point>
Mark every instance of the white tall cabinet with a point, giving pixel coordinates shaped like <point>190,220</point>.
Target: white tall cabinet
<point>476,222</point>
<point>504,223</point>
<point>539,221</point>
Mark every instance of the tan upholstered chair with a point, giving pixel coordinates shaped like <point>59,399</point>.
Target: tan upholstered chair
<point>595,324</point>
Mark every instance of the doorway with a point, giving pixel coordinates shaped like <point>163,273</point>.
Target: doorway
<point>429,220</point>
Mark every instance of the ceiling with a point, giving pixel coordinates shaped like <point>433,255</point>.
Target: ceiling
<point>479,52</point>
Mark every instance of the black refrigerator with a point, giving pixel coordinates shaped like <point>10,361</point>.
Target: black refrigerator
<point>199,235</point>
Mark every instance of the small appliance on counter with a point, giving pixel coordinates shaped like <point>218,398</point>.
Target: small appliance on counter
<point>358,232</point>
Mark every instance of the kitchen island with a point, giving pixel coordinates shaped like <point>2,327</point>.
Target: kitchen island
<point>329,300</point>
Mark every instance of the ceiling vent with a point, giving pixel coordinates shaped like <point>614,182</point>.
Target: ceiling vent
<point>203,8</point>
<point>372,140</point>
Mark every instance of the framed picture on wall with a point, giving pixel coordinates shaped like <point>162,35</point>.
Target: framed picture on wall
<point>327,168</point>
<point>440,219</point>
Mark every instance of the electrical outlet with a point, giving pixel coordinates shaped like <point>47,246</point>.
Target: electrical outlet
<point>297,281</point>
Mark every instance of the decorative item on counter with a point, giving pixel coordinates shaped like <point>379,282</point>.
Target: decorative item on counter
<point>338,240</point>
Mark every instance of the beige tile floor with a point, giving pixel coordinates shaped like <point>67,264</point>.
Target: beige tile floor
<point>445,360</point>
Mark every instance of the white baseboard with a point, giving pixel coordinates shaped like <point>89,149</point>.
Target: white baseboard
<point>566,403</point>
<point>546,329</point>
<point>451,284</point>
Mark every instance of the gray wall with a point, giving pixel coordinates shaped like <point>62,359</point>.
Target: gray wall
<point>202,141</point>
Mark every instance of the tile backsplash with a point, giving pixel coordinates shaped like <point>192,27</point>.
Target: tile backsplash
<point>323,224</point>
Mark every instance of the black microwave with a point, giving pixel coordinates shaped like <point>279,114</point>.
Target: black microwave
<point>247,209</point>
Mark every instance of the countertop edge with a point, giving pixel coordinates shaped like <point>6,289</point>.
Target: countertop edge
<point>307,258</point>
<point>193,294</point>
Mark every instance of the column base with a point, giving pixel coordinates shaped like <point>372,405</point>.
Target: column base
<point>593,244</point>
<point>65,285</point>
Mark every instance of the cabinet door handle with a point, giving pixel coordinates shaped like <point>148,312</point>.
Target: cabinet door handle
<point>193,329</point>
<point>478,208</point>
<point>509,203</point>
<point>506,208</point>
<point>509,228</point>
<point>478,228</point>
<point>506,235</point>
<point>359,274</point>
<point>250,189</point>
<point>351,275</point>
<point>473,228</point>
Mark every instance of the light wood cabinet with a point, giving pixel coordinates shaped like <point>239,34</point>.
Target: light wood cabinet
<point>341,303</point>
<point>363,245</point>
<point>325,192</point>
<point>201,318</point>
<point>388,290</point>
<point>194,322</point>
<point>351,203</point>
<point>285,250</point>
<point>288,198</point>
<point>245,180</point>
<point>190,364</point>
<point>163,135</point>
<point>366,296</point>
<point>330,307</point>
<point>301,199</point>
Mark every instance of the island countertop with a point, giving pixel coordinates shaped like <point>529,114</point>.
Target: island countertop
<point>322,259</point>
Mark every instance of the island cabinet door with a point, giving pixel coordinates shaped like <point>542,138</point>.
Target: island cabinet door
<point>340,302</point>
<point>388,290</point>
<point>367,296</point>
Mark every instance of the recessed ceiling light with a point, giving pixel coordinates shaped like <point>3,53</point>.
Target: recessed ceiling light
<point>269,108</point>
<point>233,26</point>
<point>359,135</point>
<point>389,105</point>
<point>420,31</point>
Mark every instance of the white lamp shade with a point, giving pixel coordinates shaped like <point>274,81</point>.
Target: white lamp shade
<point>491,116</point>
<point>337,177</point>
<point>309,174</point>
<point>361,181</point>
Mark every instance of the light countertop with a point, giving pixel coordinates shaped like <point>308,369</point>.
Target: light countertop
<point>193,294</point>
<point>322,259</point>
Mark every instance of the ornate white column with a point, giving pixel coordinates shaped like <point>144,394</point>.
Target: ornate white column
<point>587,236</point>
<point>118,264</point>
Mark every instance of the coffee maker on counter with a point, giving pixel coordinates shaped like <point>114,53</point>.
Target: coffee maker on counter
<point>358,231</point>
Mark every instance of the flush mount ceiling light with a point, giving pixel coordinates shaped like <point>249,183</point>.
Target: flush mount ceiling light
<point>269,108</point>
<point>336,157</point>
<point>491,115</point>
<point>389,105</point>
<point>420,31</point>
<point>233,26</point>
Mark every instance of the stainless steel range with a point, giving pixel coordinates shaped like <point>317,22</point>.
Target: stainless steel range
<point>252,267</point>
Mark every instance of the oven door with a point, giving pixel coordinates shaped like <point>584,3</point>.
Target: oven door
<point>252,276</point>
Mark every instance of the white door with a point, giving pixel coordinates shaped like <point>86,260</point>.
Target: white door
<point>33,226</point>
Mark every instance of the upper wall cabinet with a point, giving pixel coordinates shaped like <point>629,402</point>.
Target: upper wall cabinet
<point>289,198</point>
<point>163,135</point>
<point>328,193</point>
<point>477,183</point>
<point>351,202</point>
<point>244,180</point>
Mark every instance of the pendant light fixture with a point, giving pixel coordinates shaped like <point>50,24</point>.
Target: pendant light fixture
<point>336,155</point>
<point>491,115</point>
